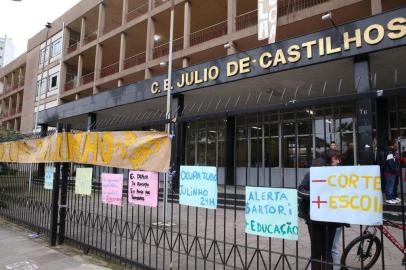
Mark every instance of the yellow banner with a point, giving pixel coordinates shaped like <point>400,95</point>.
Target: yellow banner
<point>138,150</point>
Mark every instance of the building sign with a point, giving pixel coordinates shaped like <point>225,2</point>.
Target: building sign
<point>271,212</point>
<point>112,188</point>
<point>198,186</point>
<point>383,31</point>
<point>267,19</point>
<point>146,150</point>
<point>143,188</point>
<point>346,194</point>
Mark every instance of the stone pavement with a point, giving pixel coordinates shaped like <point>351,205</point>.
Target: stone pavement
<point>19,251</point>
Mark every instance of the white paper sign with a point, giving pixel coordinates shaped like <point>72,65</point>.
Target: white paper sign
<point>346,194</point>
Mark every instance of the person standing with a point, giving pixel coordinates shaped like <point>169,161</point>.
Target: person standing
<point>391,173</point>
<point>322,234</point>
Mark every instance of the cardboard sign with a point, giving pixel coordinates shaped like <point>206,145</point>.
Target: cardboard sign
<point>271,212</point>
<point>83,183</point>
<point>49,177</point>
<point>346,194</point>
<point>143,188</point>
<point>198,186</point>
<point>112,188</point>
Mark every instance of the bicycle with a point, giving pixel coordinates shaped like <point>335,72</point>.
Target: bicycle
<point>367,247</point>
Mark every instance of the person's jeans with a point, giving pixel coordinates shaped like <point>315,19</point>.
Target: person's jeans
<point>390,183</point>
<point>335,250</point>
<point>395,188</point>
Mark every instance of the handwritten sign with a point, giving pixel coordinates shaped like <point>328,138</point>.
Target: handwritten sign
<point>83,184</point>
<point>271,212</point>
<point>112,188</point>
<point>49,177</point>
<point>198,186</point>
<point>143,188</point>
<point>346,194</point>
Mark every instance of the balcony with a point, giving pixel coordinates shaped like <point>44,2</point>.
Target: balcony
<point>72,48</point>
<point>113,25</point>
<point>19,109</point>
<point>109,70</point>
<point>208,33</point>
<point>163,49</point>
<point>157,3</point>
<point>89,38</point>
<point>292,6</point>
<point>134,60</point>
<point>246,20</point>
<point>88,78</point>
<point>69,85</point>
<point>137,12</point>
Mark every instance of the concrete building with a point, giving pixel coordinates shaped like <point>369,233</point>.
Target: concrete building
<point>6,50</point>
<point>107,44</point>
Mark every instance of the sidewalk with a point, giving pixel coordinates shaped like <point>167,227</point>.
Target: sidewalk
<point>20,252</point>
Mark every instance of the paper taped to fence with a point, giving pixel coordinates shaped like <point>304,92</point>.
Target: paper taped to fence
<point>198,186</point>
<point>83,182</point>
<point>112,188</point>
<point>49,177</point>
<point>346,194</point>
<point>271,212</point>
<point>143,188</point>
<point>136,150</point>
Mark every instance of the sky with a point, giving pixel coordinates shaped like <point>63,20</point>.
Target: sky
<point>22,20</point>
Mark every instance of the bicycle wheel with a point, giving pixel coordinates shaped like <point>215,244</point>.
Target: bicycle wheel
<point>362,252</point>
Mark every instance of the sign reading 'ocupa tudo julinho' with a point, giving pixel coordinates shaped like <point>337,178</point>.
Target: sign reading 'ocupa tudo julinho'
<point>376,33</point>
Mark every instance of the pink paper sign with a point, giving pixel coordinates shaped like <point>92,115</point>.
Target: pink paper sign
<point>143,188</point>
<point>112,188</point>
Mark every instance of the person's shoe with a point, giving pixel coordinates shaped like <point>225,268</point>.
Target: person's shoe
<point>398,200</point>
<point>391,201</point>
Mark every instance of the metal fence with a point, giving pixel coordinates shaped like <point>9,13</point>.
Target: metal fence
<point>270,149</point>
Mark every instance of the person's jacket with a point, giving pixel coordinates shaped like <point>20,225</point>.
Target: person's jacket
<point>304,195</point>
<point>391,163</point>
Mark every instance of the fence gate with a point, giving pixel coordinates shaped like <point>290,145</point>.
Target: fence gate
<point>269,149</point>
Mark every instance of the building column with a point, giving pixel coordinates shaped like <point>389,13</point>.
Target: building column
<point>100,23</point>
<point>363,112</point>
<point>125,12</point>
<point>12,80</point>
<point>16,129</point>
<point>10,104</point>
<point>120,82</point>
<point>82,31</point>
<point>3,106</point>
<point>18,102</point>
<point>91,121</point>
<point>150,5</point>
<point>185,62</point>
<point>231,15</point>
<point>187,18</point>
<point>178,141</point>
<point>149,45</point>
<point>123,46</point>
<point>97,65</point>
<point>80,70</point>
<point>20,75</point>
<point>62,79</point>
<point>376,6</point>
<point>230,150</point>
<point>382,116</point>
<point>65,40</point>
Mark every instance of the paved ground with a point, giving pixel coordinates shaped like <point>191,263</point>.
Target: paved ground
<point>18,251</point>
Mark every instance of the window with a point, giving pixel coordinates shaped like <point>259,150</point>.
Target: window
<point>53,81</point>
<point>56,47</point>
